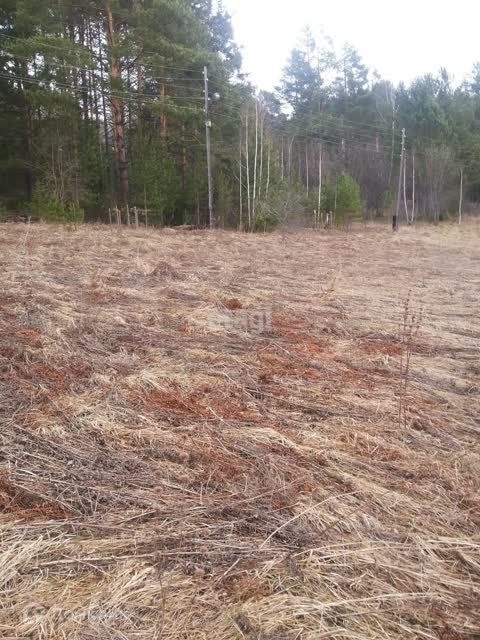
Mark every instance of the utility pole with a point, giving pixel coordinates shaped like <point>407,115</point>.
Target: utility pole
<point>407,215</point>
<point>400,174</point>
<point>208,126</point>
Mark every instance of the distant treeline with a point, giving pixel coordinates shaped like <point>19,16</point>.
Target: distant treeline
<point>102,107</point>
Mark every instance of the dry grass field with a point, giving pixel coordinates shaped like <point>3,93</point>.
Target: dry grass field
<point>217,436</point>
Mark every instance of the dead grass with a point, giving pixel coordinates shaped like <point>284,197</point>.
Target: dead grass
<point>168,471</point>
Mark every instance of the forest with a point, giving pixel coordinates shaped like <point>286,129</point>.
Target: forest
<point>234,404</point>
<point>103,113</point>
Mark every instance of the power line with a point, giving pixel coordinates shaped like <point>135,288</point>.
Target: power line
<point>328,124</point>
<point>289,132</point>
<point>117,94</point>
<point>317,136</point>
<point>101,17</point>
<point>331,121</point>
<point>79,47</point>
<point>166,79</point>
<point>153,99</point>
<point>344,124</point>
<point>130,98</point>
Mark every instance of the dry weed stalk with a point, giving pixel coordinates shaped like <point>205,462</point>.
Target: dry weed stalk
<point>409,330</point>
<point>168,474</point>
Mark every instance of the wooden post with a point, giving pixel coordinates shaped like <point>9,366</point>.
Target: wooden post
<point>135,213</point>
<point>128,215</point>
<point>407,214</point>
<point>118,216</point>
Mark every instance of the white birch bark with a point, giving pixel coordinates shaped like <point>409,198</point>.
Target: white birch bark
<point>255,159</point>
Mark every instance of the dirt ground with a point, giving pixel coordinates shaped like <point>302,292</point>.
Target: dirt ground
<point>231,436</point>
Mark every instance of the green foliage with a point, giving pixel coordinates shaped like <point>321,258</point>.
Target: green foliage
<point>348,195</point>
<point>299,82</point>
<point>61,126</point>
<point>341,196</point>
<point>90,119</point>
<point>154,180</point>
<point>386,200</point>
<point>284,206</point>
<point>47,208</point>
<point>266,221</point>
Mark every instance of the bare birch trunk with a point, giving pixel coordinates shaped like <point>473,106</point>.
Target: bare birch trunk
<point>268,173</point>
<point>319,181</point>
<point>460,204</point>
<point>283,170</point>
<point>290,159</point>
<point>413,187</point>
<point>307,168</point>
<point>249,206</point>
<point>255,158</point>
<point>240,217</point>
<point>260,180</point>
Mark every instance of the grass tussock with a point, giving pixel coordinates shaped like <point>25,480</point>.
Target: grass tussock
<point>214,435</point>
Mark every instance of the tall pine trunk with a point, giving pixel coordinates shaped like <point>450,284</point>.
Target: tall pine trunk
<point>117,105</point>
<point>19,68</point>
<point>163,115</point>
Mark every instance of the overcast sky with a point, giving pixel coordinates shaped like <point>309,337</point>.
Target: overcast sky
<point>401,40</point>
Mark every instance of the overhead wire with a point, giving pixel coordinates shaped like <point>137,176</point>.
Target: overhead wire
<point>330,137</point>
<point>78,47</point>
<point>331,121</point>
<point>166,79</point>
<point>344,123</point>
<point>116,94</point>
